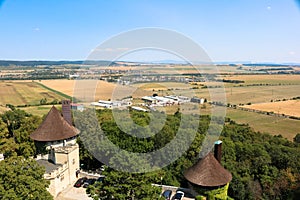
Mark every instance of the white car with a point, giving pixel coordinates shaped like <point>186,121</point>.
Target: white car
<point>179,195</point>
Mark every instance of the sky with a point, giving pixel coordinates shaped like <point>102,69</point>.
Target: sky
<point>237,30</point>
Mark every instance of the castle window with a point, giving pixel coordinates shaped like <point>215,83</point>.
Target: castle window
<point>73,161</point>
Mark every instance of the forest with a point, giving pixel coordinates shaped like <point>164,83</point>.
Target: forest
<point>262,166</point>
<point>20,175</point>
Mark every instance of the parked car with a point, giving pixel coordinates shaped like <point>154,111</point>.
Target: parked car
<point>100,179</point>
<point>167,194</point>
<point>179,195</point>
<point>88,182</point>
<point>80,182</point>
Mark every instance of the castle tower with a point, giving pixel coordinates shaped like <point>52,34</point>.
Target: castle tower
<point>58,137</point>
<point>207,174</point>
<point>55,131</point>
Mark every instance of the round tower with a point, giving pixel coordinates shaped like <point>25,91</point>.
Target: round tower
<point>207,176</point>
<point>55,131</point>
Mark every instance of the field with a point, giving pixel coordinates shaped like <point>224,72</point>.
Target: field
<point>280,87</point>
<point>256,89</point>
<point>266,79</point>
<point>291,107</point>
<point>266,124</point>
<point>39,110</point>
<point>179,69</point>
<point>93,90</point>
<point>24,93</point>
<point>64,86</point>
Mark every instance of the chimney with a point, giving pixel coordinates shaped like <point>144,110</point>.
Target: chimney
<point>66,110</point>
<point>218,150</point>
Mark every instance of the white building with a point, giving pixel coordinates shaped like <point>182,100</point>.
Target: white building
<point>112,104</point>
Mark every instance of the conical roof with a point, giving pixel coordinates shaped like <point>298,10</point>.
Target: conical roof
<point>208,172</point>
<point>53,128</point>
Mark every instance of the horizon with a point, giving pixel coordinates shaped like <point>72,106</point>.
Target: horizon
<point>161,62</point>
<point>257,31</point>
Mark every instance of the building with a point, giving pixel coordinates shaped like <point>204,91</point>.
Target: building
<point>139,109</point>
<point>113,104</point>
<point>208,175</point>
<point>158,100</point>
<point>75,106</point>
<point>149,100</point>
<point>179,99</point>
<point>58,137</point>
<point>197,100</point>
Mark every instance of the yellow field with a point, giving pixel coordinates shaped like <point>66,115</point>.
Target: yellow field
<point>162,86</point>
<point>252,94</point>
<point>93,90</point>
<point>270,78</point>
<point>291,107</point>
<point>64,86</point>
<point>24,92</point>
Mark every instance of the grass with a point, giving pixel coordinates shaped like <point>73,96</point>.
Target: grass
<point>38,110</point>
<point>273,125</point>
<point>288,128</point>
<point>25,93</point>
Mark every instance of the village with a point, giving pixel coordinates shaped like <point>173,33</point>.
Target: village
<point>150,102</point>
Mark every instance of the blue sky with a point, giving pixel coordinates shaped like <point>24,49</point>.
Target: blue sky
<point>237,30</point>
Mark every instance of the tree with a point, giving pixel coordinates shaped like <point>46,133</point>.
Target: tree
<point>126,186</point>
<point>43,101</point>
<point>15,128</point>
<point>22,178</point>
<point>263,166</point>
<point>297,138</point>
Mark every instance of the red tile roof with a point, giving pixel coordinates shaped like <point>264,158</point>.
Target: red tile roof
<point>54,128</point>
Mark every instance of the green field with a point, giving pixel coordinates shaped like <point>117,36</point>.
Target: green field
<point>39,110</point>
<point>25,93</point>
<point>266,124</point>
<point>273,125</point>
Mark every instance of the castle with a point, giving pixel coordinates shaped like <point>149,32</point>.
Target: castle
<point>57,136</point>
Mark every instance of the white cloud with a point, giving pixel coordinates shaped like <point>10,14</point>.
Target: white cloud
<point>36,29</point>
<point>292,53</point>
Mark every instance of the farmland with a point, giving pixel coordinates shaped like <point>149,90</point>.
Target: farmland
<point>260,91</point>
<point>266,124</point>
<point>94,90</point>
<point>266,79</point>
<point>24,93</point>
<point>291,107</point>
